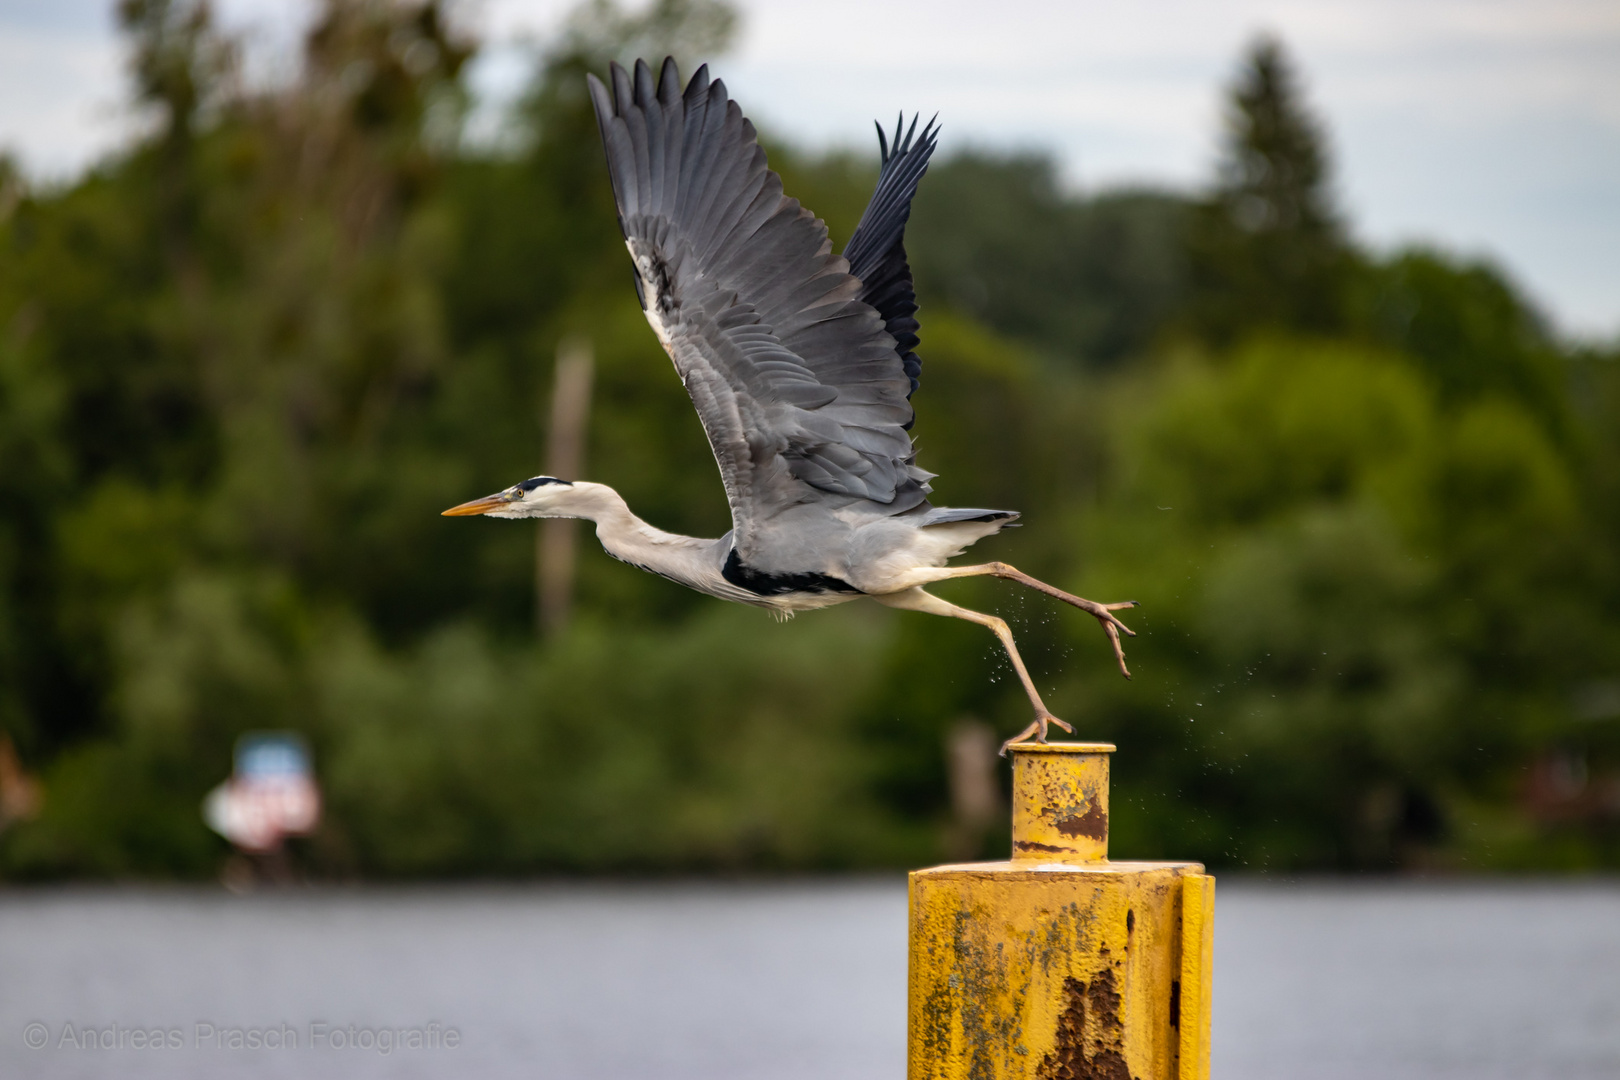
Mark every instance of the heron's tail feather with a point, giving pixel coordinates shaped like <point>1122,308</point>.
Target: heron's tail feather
<point>947,532</point>
<point>944,515</point>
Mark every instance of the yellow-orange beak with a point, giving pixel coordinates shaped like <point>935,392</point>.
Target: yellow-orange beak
<point>477,506</point>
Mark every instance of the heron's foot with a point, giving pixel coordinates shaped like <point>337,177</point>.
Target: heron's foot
<point>1037,728</point>
<point>1104,614</point>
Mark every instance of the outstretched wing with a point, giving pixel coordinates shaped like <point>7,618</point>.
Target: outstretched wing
<point>800,387</point>
<point>877,251</point>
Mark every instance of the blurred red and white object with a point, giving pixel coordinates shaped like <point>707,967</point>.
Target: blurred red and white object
<point>270,796</point>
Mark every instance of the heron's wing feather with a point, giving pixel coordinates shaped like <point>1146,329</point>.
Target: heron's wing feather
<point>799,385</point>
<point>877,251</point>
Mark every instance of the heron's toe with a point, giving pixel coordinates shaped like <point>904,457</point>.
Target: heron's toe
<point>1022,735</point>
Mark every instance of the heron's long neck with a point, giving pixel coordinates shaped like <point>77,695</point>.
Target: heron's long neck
<point>627,538</point>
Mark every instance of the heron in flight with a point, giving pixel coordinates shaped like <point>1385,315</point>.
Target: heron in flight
<point>801,365</point>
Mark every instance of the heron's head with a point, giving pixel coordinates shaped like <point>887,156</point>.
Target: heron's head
<point>541,496</point>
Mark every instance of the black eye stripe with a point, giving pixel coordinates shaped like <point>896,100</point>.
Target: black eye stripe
<point>531,484</point>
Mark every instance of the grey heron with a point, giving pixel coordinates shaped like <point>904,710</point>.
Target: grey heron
<point>800,364</point>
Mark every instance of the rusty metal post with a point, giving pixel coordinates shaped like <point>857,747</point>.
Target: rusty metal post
<point>1059,964</point>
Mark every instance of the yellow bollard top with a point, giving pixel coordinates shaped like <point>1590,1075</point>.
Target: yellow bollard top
<point>1062,748</point>
<point>1060,802</point>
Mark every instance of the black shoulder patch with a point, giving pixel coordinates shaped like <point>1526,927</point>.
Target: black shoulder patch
<point>781,584</point>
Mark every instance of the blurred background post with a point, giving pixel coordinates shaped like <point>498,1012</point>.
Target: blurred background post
<point>565,459</point>
<point>976,798</point>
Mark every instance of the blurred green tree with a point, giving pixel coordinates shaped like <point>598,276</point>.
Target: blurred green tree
<point>1092,281</point>
<point>1467,326</point>
<point>1267,248</point>
<point>1364,608</point>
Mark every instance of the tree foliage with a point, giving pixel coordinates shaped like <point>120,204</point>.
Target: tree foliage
<point>1369,502</point>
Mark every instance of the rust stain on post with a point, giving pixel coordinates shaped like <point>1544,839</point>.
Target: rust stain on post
<point>1090,1036</point>
<point>1092,824</point>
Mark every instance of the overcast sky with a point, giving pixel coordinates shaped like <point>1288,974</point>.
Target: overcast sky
<point>1489,127</point>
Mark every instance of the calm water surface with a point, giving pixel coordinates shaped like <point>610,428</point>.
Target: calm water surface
<point>774,982</point>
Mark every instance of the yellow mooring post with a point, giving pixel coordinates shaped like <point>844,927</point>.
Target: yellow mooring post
<point>1060,965</point>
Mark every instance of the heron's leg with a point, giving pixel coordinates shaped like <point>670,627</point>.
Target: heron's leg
<point>917,600</point>
<point>1103,613</point>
